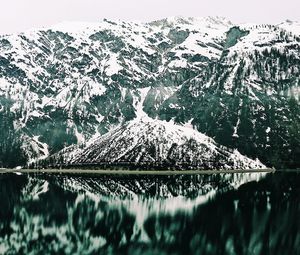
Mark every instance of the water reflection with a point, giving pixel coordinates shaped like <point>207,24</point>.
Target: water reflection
<point>198,214</point>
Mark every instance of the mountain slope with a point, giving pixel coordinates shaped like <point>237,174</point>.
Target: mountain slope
<point>249,99</point>
<point>66,84</point>
<point>75,80</point>
<point>149,143</point>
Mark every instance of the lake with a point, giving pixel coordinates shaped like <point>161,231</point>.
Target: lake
<point>240,213</point>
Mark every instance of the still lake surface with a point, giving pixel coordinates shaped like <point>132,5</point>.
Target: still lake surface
<point>242,213</point>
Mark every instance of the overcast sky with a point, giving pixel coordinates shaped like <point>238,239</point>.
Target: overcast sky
<point>18,15</point>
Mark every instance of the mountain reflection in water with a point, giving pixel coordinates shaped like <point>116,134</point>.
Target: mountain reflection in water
<point>187,214</point>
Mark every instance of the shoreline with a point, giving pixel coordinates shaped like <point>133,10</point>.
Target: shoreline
<point>131,172</point>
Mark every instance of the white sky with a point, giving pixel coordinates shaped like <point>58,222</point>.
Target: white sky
<point>18,15</point>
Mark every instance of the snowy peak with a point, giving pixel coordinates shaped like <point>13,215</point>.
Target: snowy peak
<point>153,143</point>
<point>250,38</point>
<point>191,21</point>
<point>76,27</point>
<point>291,26</point>
<point>71,82</point>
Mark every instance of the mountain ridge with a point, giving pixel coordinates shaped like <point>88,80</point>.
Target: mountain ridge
<point>59,88</point>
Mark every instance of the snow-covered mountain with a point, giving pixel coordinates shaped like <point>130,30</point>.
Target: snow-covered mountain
<point>156,144</point>
<point>73,82</point>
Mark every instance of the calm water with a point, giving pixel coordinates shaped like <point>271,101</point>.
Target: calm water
<point>188,214</point>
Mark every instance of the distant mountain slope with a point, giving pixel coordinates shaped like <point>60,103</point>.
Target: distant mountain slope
<point>249,99</point>
<point>66,84</point>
